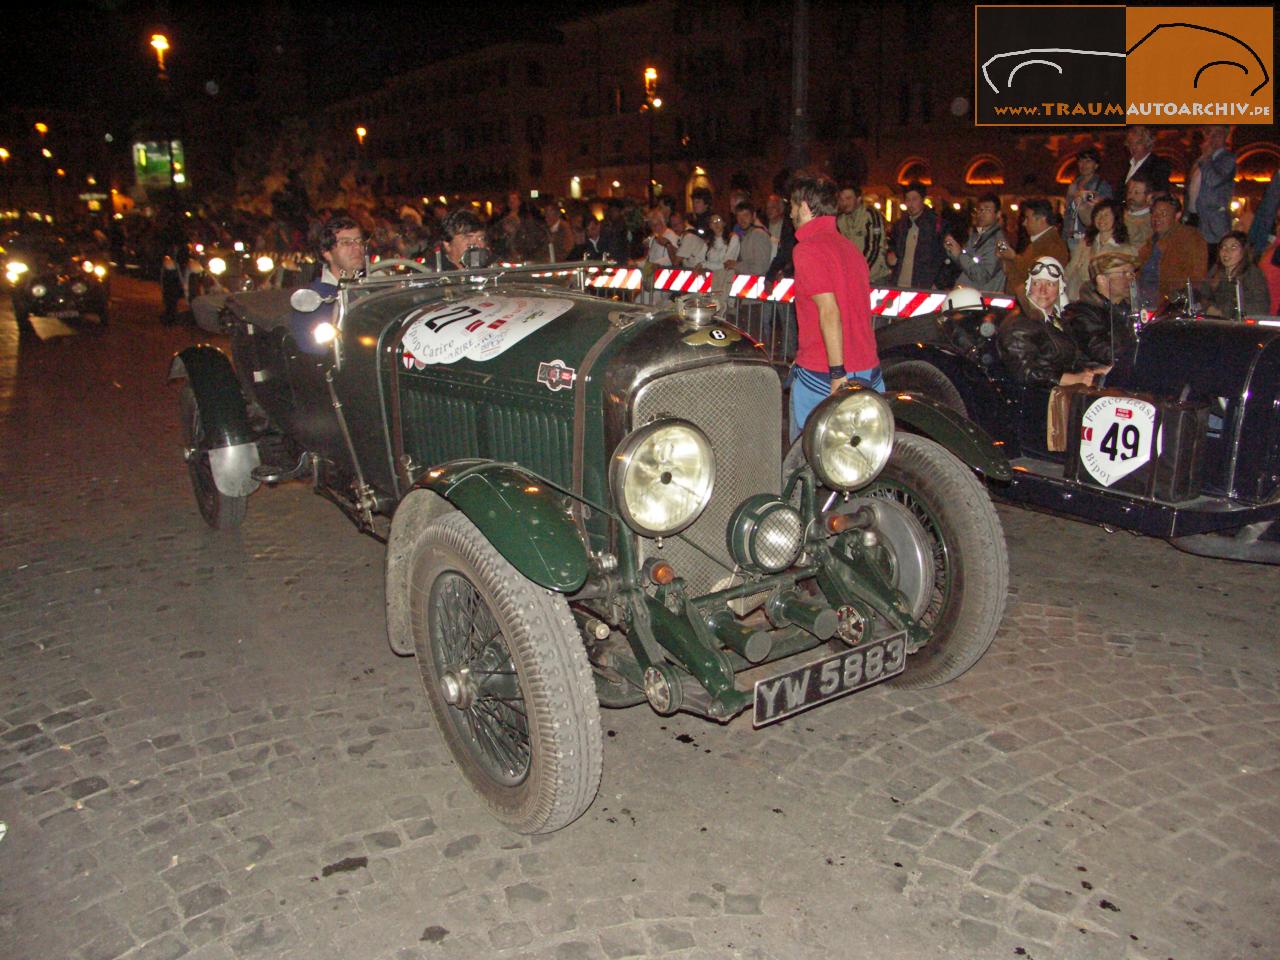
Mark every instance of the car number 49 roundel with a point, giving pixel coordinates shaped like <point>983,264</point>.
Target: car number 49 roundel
<point>1116,437</point>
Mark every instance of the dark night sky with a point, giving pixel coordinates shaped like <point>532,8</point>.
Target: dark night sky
<point>95,52</point>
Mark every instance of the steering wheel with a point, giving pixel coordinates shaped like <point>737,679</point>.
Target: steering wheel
<point>388,266</point>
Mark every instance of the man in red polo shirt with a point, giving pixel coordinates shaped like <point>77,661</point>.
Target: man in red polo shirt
<point>833,304</point>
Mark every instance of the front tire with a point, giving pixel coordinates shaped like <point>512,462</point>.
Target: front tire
<point>218,510</point>
<point>507,677</point>
<point>971,562</point>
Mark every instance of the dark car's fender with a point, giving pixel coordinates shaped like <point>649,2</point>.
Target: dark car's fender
<point>524,519</point>
<point>964,439</point>
<point>224,417</point>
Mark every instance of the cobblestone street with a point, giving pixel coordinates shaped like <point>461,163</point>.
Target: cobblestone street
<point>207,749</point>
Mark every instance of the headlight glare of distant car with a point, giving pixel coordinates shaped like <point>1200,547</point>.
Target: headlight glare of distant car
<point>265,264</point>
<point>217,266</point>
<point>100,271</point>
<point>87,266</point>
<point>15,268</point>
<point>662,476</point>
<point>848,438</point>
<point>39,289</point>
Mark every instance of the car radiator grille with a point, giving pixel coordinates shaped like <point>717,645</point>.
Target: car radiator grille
<point>739,408</point>
<point>440,427</point>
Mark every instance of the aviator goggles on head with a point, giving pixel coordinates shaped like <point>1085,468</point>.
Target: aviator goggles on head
<point>1053,270</point>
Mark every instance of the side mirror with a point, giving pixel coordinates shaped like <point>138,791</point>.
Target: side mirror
<point>305,301</point>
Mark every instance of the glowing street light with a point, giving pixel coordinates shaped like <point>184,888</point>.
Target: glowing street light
<point>42,128</point>
<point>652,103</point>
<point>361,133</point>
<point>160,43</point>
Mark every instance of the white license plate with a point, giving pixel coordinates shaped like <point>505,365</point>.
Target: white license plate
<point>789,693</point>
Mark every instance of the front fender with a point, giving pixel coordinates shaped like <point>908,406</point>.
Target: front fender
<point>525,520</point>
<point>224,412</point>
<point>964,439</point>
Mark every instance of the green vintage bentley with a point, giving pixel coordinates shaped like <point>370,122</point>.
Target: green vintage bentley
<point>586,503</point>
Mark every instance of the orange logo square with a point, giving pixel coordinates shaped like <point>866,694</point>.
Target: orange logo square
<point>1189,65</point>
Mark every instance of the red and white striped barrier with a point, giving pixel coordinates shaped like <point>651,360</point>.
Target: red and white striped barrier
<point>621,278</point>
<point>682,281</point>
<point>885,301</point>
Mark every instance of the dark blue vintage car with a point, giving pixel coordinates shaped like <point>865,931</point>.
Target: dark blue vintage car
<point>1181,442</point>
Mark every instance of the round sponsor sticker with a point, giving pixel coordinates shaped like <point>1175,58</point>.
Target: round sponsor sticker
<point>475,328</point>
<point>1116,437</point>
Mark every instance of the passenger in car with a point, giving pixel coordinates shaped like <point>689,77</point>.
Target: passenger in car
<point>341,246</point>
<point>1034,345</point>
<point>462,231</point>
<point>1099,322</point>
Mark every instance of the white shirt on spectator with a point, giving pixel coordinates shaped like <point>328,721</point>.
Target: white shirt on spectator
<point>692,251</point>
<point>718,252</point>
<point>657,254</point>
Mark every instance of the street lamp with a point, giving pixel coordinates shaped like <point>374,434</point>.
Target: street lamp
<point>361,133</point>
<point>160,43</point>
<point>652,103</point>
<point>8,182</point>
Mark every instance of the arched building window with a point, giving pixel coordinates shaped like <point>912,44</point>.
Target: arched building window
<point>984,171</point>
<point>1258,162</point>
<point>914,168</point>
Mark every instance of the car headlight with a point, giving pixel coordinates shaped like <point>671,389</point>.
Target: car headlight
<point>100,271</point>
<point>79,288</point>
<point>87,266</point>
<point>38,290</point>
<point>662,476</point>
<point>217,266</point>
<point>765,534</point>
<point>848,438</point>
<point>265,264</point>
<point>16,267</point>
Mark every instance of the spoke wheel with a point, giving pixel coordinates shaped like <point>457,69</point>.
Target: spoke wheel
<point>219,511</point>
<point>970,560</point>
<point>507,677</point>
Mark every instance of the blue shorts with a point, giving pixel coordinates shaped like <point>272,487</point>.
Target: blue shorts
<point>808,389</point>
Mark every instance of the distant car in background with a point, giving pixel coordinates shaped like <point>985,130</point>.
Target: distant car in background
<point>52,275</point>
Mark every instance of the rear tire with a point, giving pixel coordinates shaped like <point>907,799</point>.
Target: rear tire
<point>219,511</point>
<point>507,677</point>
<point>918,376</point>
<point>971,577</point>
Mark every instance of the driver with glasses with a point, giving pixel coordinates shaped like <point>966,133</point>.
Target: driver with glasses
<point>341,246</point>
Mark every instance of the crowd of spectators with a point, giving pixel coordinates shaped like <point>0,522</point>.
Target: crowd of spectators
<point>979,242</point>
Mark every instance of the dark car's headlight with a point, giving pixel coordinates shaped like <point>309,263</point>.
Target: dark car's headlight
<point>848,438</point>
<point>38,290</point>
<point>662,476</point>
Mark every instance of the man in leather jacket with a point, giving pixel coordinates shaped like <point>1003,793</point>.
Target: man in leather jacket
<point>1099,321</point>
<point>1061,343</point>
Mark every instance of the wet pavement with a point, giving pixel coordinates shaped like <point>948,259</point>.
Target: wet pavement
<point>207,749</point>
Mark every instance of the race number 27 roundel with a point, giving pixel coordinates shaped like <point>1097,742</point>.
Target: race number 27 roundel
<point>475,328</point>
<point>1116,437</point>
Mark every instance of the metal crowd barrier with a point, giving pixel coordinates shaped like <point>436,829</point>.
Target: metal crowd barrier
<point>766,311</point>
